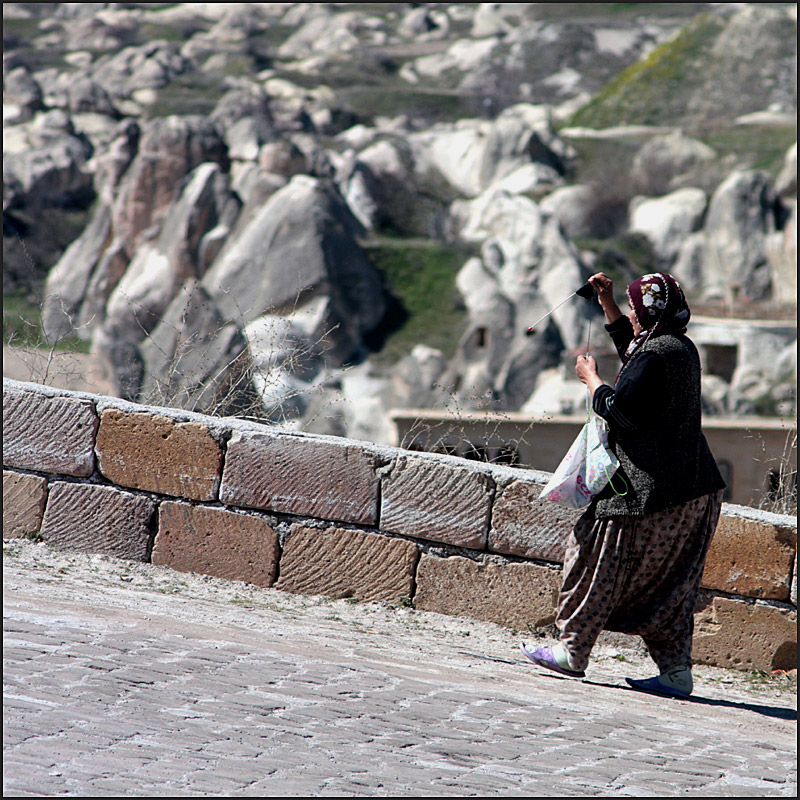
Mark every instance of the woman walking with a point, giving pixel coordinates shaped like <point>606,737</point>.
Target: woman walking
<point>634,562</point>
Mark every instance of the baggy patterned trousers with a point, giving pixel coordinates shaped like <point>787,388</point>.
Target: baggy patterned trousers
<point>636,575</point>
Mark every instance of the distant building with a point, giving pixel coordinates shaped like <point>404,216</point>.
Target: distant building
<point>742,351</point>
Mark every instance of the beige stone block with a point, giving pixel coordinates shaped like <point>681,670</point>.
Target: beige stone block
<point>48,434</point>
<point>214,541</point>
<point>157,454</point>
<point>98,519</point>
<point>523,525</point>
<point>516,595</point>
<point>301,475</point>
<point>347,563</point>
<point>24,498</point>
<point>438,501</point>
<point>751,558</point>
<point>736,634</point>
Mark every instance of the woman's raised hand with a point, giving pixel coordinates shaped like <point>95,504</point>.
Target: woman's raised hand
<point>604,287</point>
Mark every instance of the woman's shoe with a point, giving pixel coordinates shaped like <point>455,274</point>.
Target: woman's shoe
<point>543,657</point>
<point>655,686</point>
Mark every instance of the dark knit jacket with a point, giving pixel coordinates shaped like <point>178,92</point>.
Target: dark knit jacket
<point>653,416</point>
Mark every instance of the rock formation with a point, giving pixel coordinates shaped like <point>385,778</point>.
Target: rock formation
<point>232,161</point>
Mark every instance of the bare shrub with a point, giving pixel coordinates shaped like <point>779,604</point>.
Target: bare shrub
<point>780,491</point>
<point>475,433</point>
<point>193,359</point>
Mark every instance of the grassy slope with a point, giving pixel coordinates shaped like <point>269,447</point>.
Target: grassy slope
<point>659,90</point>
<point>654,91</point>
<point>421,276</point>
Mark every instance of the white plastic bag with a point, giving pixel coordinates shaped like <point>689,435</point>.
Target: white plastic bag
<point>586,468</point>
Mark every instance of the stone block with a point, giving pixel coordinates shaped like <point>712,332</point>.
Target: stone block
<point>736,634</point>
<point>516,595</point>
<point>48,434</point>
<point>301,475</point>
<point>214,541</point>
<point>24,499</point>
<point>347,563</point>
<point>751,558</point>
<point>523,525</point>
<point>437,501</point>
<point>157,454</point>
<point>98,519</point>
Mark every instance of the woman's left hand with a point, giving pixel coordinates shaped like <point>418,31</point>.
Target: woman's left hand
<point>586,370</point>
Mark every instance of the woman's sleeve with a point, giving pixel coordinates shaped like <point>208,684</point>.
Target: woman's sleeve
<point>639,397</point>
<point>621,333</point>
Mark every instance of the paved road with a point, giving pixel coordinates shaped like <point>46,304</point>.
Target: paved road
<point>133,680</point>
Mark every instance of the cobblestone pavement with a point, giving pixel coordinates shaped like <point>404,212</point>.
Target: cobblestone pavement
<point>133,680</point>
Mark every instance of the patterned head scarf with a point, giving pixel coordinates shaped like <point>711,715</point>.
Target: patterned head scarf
<point>660,306</point>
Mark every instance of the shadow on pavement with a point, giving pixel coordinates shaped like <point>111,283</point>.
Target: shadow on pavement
<point>776,712</point>
<point>768,711</point>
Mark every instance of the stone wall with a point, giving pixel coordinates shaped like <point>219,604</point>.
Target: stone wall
<point>323,515</point>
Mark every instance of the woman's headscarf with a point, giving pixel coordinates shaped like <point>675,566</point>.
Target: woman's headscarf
<point>660,306</point>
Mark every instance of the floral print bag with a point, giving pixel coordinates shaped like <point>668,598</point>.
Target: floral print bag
<point>585,470</point>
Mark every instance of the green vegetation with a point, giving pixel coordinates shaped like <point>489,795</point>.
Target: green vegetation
<point>606,162</point>
<point>244,602</point>
<point>420,275</point>
<point>192,93</point>
<point>34,244</point>
<point>22,322</point>
<point>34,239</point>
<point>376,9</point>
<point>19,32</point>
<point>19,36</point>
<point>621,658</point>
<point>778,678</point>
<point>22,326</point>
<point>369,86</point>
<point>753,146</point>
<point>171,32</point>
<point>275,34</point>
<point>600,10</point>
<point>431,105</point>
<point>654,91</point>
